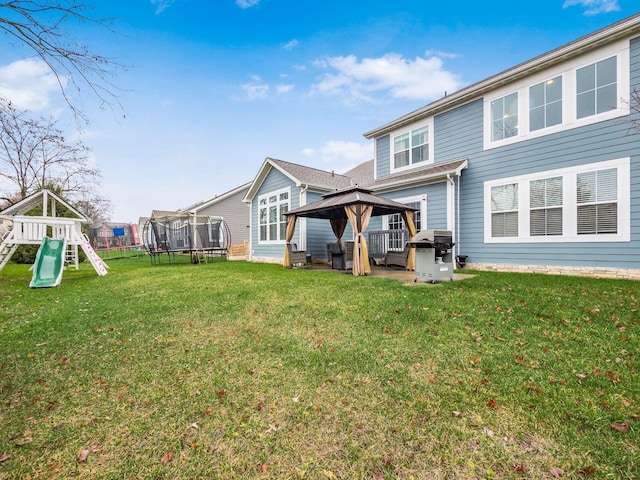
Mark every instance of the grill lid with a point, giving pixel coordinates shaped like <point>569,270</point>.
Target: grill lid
<point>429,238</point>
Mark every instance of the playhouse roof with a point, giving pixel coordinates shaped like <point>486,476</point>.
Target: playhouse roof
<point>44,198</point>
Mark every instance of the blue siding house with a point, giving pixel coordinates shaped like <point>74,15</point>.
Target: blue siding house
<point>536,168</point>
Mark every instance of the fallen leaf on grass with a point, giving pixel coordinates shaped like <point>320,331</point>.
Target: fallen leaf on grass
<point>620,426</point>
<point>491,403</point>
<point>4,457</point>
<point>264,467</point>
<point>520,468</point>
<point>556,472</point>
<point>64,360</point>
<point>83,455</point>
<point>587,471</point>
<point>166,457</point>
<point>456,414</point>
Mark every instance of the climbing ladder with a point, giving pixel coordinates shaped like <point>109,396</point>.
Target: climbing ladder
<point>7,249</point>
<point>98,264</point>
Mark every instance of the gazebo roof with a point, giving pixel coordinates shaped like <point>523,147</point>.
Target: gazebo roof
<point>332,205</point>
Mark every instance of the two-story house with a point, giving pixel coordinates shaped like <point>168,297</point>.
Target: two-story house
<point>536,168</point>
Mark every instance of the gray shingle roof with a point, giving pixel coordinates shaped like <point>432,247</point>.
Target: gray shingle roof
<point>313,176</point>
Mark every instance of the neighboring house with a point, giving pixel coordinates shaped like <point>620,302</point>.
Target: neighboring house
<point>231,208</point>
<point>536,168</point>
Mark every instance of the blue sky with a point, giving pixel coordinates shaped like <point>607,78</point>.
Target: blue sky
<point>213,87</point>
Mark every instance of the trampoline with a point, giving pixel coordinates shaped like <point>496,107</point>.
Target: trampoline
<point>199,236</point>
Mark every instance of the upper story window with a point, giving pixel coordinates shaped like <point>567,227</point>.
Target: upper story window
<point>271,215</point>
<point>545,104</point>
<point>584,90</point>
<point>596,88</point>
<point>583,203</point>
<point>504,117</point>
<point>412,148</point>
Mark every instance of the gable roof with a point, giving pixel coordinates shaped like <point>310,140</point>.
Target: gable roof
<point>313,178</point>
<point>606,35</point>
<point>218,198</point>
<point>42,197</point>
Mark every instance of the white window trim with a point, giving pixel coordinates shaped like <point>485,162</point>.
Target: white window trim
<point>567,71</point>
<point>411,166</point>
<point>569,207</point>
<point>405,200</point>
<point>266,196</point>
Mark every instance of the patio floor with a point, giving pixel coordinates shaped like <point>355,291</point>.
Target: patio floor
<point>383,272</point>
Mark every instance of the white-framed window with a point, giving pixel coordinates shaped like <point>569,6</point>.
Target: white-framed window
<point>584,203</point>
<point>504,117</point>
<point>412,148</point>
<point>596,88</point>
<point>504,210</point>
<point>545,206</point>
<point>545,104</point>
<point>396,225</point>
<point>597,199</point>
<point>584,90</point>
<point>272,220</point>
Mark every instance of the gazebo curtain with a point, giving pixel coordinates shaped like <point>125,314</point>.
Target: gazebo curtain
<point>291,227</point>
<point>338,225</point>
<point>359,216</point>
<point>407,215</point>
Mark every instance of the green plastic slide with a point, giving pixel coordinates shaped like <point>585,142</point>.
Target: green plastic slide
<point>47,271</point>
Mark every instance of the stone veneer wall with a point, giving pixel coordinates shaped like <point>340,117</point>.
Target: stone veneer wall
<point>599,272</point>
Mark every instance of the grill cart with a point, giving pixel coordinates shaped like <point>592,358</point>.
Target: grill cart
<point>434,260</point>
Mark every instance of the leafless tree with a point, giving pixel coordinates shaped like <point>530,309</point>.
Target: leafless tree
<point>34,155</point>
<point>41,26</point>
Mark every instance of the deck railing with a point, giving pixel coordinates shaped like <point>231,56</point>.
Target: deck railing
<point>380,242</point>
<point>34,229</point>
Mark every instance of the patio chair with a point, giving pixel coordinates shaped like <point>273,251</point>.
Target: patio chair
<point>298,257</point>
<point>397,258</point>
<point>335,256</point>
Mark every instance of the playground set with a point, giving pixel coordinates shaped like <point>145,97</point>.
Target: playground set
<point>59,237</point>
<point>199,236</point>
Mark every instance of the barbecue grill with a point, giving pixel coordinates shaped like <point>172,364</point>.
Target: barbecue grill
<point>434,260</point>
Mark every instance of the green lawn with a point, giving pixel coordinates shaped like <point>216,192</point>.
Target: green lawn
<point>239,370</point>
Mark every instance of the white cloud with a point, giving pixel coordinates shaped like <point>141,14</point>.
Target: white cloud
<point>247,3</point>
<point>291,45</point>
<point>284,88</point>
<point>162,5</point>
<point>340,151</point>
<point>28,84</point>
<point>594,7</point>
<point>308,152</point>
<point>255,89</point>
<point>400,78</point>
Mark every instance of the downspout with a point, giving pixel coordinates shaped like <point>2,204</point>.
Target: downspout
<point>455,216</point>
<point>303,220</point>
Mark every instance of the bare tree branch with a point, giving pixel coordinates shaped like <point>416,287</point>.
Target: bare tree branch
<point>34,155</point>
<point>40,26</point>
